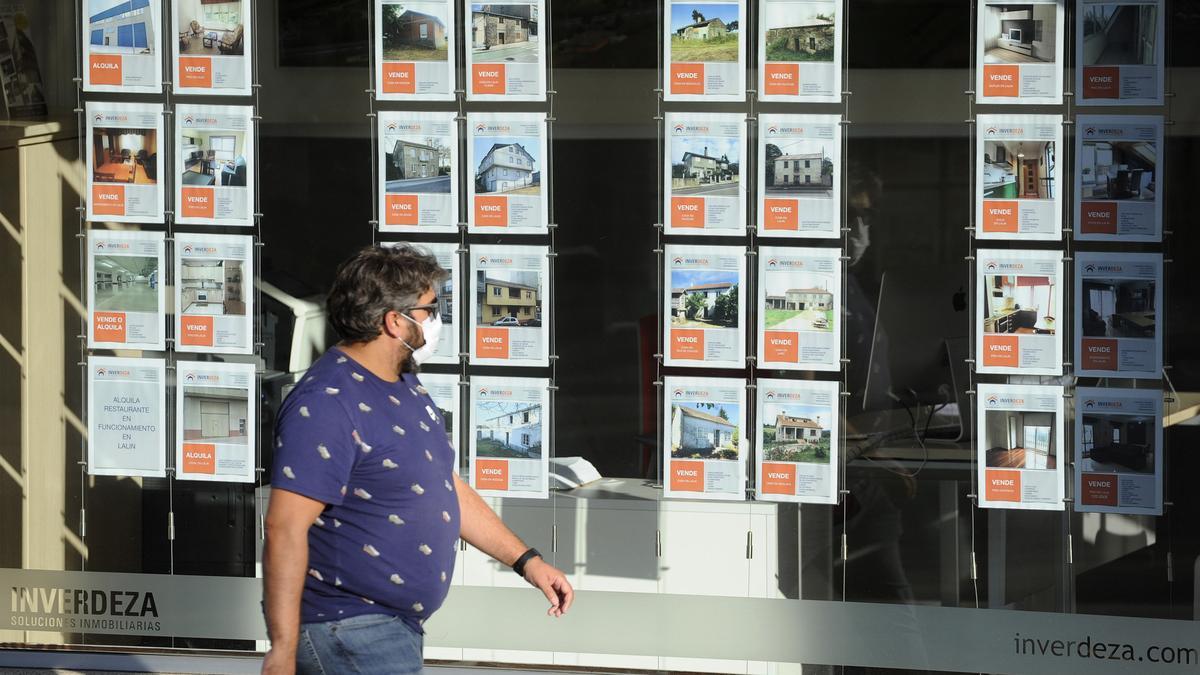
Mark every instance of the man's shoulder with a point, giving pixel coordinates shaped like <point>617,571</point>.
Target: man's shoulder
<point>322,384</point>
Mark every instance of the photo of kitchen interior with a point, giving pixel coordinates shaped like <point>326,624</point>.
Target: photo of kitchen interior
<point>212,287</point>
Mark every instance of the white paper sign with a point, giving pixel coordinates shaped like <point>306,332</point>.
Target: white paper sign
<point>1019,296</point>
<point>214,293</point>
<point>124,162</point>
<point>1017,174</point>
<point>122,46</point>
<point>799,308</point>
<point>1020,446</point>
<point>215,430</point>
<point>1118,298</point>
<point>702,177</point>
<point>704,310</point>
<point>1119,52</point>
<point>506,52</point>
<point>414,50</point>
<point>704,447</point>
<point>418,158</point>
<point>1118,178</point>
<point>800,176</point>
<point>510,444</point>
<point>127,417</point>
<point>214,165</point>
<point>210,47</point>
<point>797,439</point>
<point>507,158</point>
<point>704,51</point>
<point>1118,450</point>
<point>800,51</point>
<point>1019,52</point>
<point>126,297</point>
<point>510,307</point>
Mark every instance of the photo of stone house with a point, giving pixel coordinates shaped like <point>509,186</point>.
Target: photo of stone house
<point>800,31</point>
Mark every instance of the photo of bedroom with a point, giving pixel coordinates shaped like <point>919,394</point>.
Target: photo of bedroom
<point>215,415</point>
<point>213,158</point>
<point>1020,440</point>
<point>704,430</point>
<point>211,288</point>
<point>1018,304</point>
<point>1018,33</point>
<point>1118,170</point>
<point>125,156</point>
<point>1119,34</point>
<point>1117,443</point>
<point>210,27</point>
<point>125,283</point>
<point>1118,308</point>
<point>1018,169</point>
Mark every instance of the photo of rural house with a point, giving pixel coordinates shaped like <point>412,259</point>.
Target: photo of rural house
<point>798,168</point>
<point>704,166</point>
<point>125,283</point>
<point>704,430</point>
<point>1118,308</point>
<point>508,430</point>
<point>125,156</point>
<point>417,164</point>
<point>213,158</point>
<point>1020,440</point>
<point>1119,34</point>
<point>1118,170</point>
<point>414,31</point>
<point>1117,443</point>
<point>796,433</point>
<point>1018,170</point>
<point>120,27</point>
<point>215,415</point>
<point>704,33</point>
<point>507,165</point>
<point>704,299</point>
<point>508,298</point>
<point>798,301</point>
<point>1018,304</point>
<point>800,31</point>
<point>1018,33</point>
<point>504,33</point>
<point>210,27</point>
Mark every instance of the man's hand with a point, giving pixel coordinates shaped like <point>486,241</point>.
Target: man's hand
<point>553,583</point>
<point>279,662</point>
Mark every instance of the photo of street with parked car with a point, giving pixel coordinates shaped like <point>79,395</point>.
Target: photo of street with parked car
<point>509,298</point>
<point>704,165</point>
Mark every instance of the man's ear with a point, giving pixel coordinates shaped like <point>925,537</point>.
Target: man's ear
<point>391,325</point>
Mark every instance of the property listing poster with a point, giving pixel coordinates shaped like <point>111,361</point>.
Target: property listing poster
<point>122,46</point>
<point>417,155</point>
<point>510,453</point>
<point>122,153</point>
<point>704,51</point>
<point>447,258</point>
<point>702,176</point>
<point>1020,446</point>
<point>704,450</point>
<point>704,314</point>
<point>127,417</point>
<point>1017,177</point>
<point>1117,178</point>
<point>1020,303</point>
<point>800,51</point>
<point>214,164</point>
<point>797,441</point>
<point>799,308</point>
<point>212,52</point>
<point>1019,52</point>
<point>414,50</point>
<point>800,176</point>
<point>444,389</point>
<point>506,59</point>
<point>510,308</point>
<point>1119,52</point>
<point>215,406</point>
<point>214,293</point>
<point>1118,297</point>
<point>126,298</point>
<point>1118,450</point>
<point>507,152</point>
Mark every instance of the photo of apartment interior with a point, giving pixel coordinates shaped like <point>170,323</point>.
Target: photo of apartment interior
<point>704,431</point>
<point>1118,308</point>
<point>798,167</point>
<point>504,33</point>
<point>125,283</point>
<point>508,430</point>
<point>800,31</point>
<point>120,27</point>
<point>409,35</point>
<point>1016,304</point>
<point>211,287</point>
<point>210,27</point>
<point>1018,170</point>
<point>1020,440</point>
<point>215,415</point>
<point>1118,170</point>
<point>1117,444</point>
<point>1018,33</point>
<point>507,166</point>
<point>704,299</point>
<point>509,299</point>
<point>213,158</point>
<point>1119,34</point>
<point>125,156</point>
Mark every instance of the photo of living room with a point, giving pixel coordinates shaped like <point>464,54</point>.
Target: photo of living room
<point>704,299</point>
<point>414,31</point>
<point>799,301</point>
<point>120,27</point>
<point>800,31</point>
<point>211,288</point>
<point>210,27</point>
<point>1018,33</point>
<point>704,166</point>
<point>1118,170</point>
<point>1117,443</point>
<point>504,33</point>
<point>1119,34</point>
<point>125,283</point>
<point>506,429</point>
<point>704,33</point>
<point>1018,304</point>
<point>508,298</point>
<point>125,156</point>
<point>1018,169</point>
<point>1020,440</point>
<point>1118,308</point>
<point>799,167</point>
<point>213,158</point>
<point>417,164</point>
<point>507,166</point>
<point>796,433</point>
<point>215,415</point>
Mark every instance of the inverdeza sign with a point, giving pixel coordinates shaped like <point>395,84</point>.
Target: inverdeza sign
<point>705,450</point>
<point>702,177</point>
<point>124,162</point>
<point>1019,52</point>
<point>126,297</point>
<point>418,164</point>
<point>1118,450</point>
<point>414,50</point>
<point>1118,178</point>
<point>1118,301</point>
<point>507,153</point>
<point>1019,296</point>
<point>799,176</point>
<point>704,50</point>
<point>799,308</point>
<point>704,309</point>
<point>122,46</point>
<point>127,415</point>
<point>214,165</point>
<point>510,305</point>
<point>510,445</point>
<point>1021,446</point>
<point>1017,173</point>
<point>797,441</point>
<point>1119,52</point>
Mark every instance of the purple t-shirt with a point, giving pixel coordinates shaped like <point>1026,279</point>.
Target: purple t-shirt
<point>376,453</point>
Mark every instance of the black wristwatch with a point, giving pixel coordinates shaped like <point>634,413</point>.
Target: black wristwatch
<point>519,566</point>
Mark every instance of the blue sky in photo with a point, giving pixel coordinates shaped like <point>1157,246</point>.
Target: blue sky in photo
<point>681,13</point>
<point>812,412</point>
<point>485,143</point>
<point>717,146</point>
<point>731,409</point>
<point>686,278</point>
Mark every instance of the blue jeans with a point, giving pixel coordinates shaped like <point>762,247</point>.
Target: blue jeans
<point>368,644</point>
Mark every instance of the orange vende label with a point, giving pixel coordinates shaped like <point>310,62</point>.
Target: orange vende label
<point>196,331</point>
<point>781,214</point>
<point>1002,486</point>
<point>781,346</point>
<point>1101,82</point>
<point>687,212</point>
<point>491,343</point>
<point>399,78</point>
<point>108,326</point>
<point>781,79</point>
<point>195,71</point>
<point>401,210</point>
<point>199,458</point>
<point>1001,81</point>
<point>491,211</point>
<point>1099,489</point>
<point>197,202</point>
<point>687,476</point>
<point>999,216</point>
<point>1001,350</point>
<point>687,344</point>
<point>778,479</point>
<point>108,200</point>
<point>488,78</point>
<point>687,78</point>
<point>105,69</point>
<point>491,474</point>
<point>1098,218</point>
<point>1097,354</point>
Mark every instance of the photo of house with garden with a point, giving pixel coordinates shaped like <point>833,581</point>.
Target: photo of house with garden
<point>798,167</point>
<point>704,299</point>
<point>796,433</point>
<point>507,429</point>
<point>701,430</point>
<point>414,32</point>
<point>799,301</point>
<point>800,31</point>
<point>704,32</point>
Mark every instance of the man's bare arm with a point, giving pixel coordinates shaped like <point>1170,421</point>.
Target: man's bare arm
<point>285,563</point>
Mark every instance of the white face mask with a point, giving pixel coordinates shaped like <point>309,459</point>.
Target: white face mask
<point>431,330</point>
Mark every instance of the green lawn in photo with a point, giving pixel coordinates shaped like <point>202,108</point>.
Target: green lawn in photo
<point>796,452</point>
<point>491,447</point>
<point>777,50</point>
<point>413,53</point>
<point>778,316</point>
<point>724,48</point>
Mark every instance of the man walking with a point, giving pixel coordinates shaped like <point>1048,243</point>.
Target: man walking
<point>366,503</point>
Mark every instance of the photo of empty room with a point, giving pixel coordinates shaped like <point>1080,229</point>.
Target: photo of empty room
<point>800,31</point>
<point>1018,33</point>
<point>1016,304</point>
<point>1118,308</point>
<point>508,430</point>
<point>504,33</point>
<point>798,167</point>
<point>796,433</point>
<point>213,158</point>
<point>704,166</point>
<point>1119,34</point>
<point>125,156</point>
<point>1118,170</point>
<point>1018,169</point>
<point>414,31</point>
<point>417,164</point>
<point>705,430</point>
<point>704,299</point>
<point>212,288</point>
<point>210,27</point>
<point>507,166</point>
<point>1020,440</point>
<point>508,298</point>
<point>125,283</point>
<point>215,415</point>
<point>704,33</point>
<point>120,27</point>
<point>799,301</point>
<point>1117,443</point>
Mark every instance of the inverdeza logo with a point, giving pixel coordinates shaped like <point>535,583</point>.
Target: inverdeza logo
<point>1093,404</point>
<point>775,130</point>
<point>784,396</point>
<point>202,378</point>
<point>690,129</point>
<point>110,117</point>
<point>113,372</point>
<point>993,266</point>
<point>192,120</point>
<point>1104,131</point>
<point>997,401</point>
<point>81,608</point>
<point>683,261</point>
<point>112,246</point>
<point>492,260</point>
<point>484,392</point>
<point>1093,268</point>
<point>485,128</point>
<point>692,394</point>
<point>786,264</point>
<point>1005,131</point>
<point>394,127</point>
<point>197,249</point>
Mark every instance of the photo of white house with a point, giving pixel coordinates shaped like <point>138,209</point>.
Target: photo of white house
<point>796,433</point>
<point>798,301</point>
<point>507,165</point>
<point>705,430</point>
<point>798,167</point>
<point>704,299</point>
<point>1018,33</point>
<point>509,430</point>
<point>704,165</point>
<point>120,27</point>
